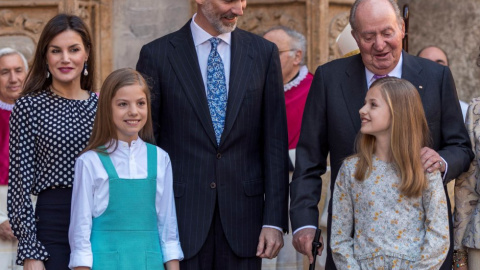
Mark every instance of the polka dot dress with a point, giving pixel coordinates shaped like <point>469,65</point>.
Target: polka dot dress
<point>47,132</point>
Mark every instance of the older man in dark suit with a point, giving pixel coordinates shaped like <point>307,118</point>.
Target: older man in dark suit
<point>218,110</point>
<point>331,119</point>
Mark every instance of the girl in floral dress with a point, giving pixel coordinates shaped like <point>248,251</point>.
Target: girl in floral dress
<point>388,213</point>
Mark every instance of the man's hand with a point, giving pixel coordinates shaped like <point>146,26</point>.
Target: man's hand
<point>431,160</point>
<point>269,243</point>
<point>30,264</point>
<point>6,232</point>
<point>302,241</point>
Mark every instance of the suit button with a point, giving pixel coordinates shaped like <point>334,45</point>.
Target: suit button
<point>213,185</point>
<point>219,156</point>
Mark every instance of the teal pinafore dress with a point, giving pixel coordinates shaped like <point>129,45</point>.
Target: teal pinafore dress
<point>125,236</point>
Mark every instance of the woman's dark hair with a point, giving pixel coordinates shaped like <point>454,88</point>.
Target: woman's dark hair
<point>36,79</point>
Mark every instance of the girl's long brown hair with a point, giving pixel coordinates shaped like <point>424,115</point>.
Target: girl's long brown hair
<point>104,131</point>
<point>409,134</point>
<point>36,79</point>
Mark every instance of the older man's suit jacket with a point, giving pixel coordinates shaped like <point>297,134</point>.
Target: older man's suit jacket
<point>331,122</point>
<point>248,172</point>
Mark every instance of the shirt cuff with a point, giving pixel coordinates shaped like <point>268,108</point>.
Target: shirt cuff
<point>172,251</point>
<point>273,227</point>
<point>80,258</point>
<point>305,227</point>
<point>3,218</point>
<point>31,249</point>
<point>446,170</point>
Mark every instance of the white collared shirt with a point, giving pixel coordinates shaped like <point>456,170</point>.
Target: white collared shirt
<point>396,72</point>
<point>203,47</point>
<point>91,195</point>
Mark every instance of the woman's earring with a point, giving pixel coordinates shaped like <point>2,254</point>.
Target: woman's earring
<point>48,74</point>
<point>85,71</point>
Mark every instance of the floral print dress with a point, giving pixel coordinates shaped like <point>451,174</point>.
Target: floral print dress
<point>374,226</point>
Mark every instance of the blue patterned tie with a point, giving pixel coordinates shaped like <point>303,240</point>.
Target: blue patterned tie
<point>216,89</point>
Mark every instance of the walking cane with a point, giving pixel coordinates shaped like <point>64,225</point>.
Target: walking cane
<point>315,245</point>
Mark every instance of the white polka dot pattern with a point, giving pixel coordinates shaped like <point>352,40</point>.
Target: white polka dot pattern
<point>47,132</point>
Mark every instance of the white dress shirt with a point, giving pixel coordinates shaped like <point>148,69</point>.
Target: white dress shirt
<point>203,47</point>
<point>91,194</point>
<point>396,72</point>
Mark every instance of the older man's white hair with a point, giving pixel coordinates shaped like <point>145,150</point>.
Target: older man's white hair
<point>9,51</point>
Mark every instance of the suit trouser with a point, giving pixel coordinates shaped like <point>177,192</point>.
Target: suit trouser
<point>447,264</point>
<point>216,253</point>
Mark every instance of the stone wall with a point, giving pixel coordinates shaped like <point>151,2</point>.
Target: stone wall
<point>137,22</point>
<point>455,27</point>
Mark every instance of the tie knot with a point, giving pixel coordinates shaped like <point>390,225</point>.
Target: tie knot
<point>376,76</point>
<point>214,41</point>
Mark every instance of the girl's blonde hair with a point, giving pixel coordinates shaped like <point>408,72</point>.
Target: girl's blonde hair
<point>104,131</point>
<point>409,134</point>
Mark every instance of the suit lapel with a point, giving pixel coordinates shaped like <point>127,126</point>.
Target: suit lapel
<point>354,89</point>
<point>411,70</point>
<point>241,62</point>
<point>184,60</point>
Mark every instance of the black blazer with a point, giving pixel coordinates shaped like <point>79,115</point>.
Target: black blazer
<point>331,122</point>
<point>247,174</point>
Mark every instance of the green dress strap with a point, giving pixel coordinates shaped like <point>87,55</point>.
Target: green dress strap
<point>152,161</point>
<point>107,163</point>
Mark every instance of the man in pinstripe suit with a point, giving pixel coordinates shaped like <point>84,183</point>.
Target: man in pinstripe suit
<point>231,191</point>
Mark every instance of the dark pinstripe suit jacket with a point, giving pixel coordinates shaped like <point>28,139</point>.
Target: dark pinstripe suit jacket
<point>248,172</point>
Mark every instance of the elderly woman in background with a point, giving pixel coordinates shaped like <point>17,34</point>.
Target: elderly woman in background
<point>49,126</point>
<point>13,70</point>
<point>467,199</point>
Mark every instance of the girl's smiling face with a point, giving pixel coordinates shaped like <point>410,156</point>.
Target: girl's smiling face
<point>130,111</point>
<point>375,114</point>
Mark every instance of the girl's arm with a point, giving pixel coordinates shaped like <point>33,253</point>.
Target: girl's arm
<point>437,237</point>
<point>165,206</point>
<point>81,215</point>
<point>172,265</point>
<point>21,175</point>
<point>342,222</point>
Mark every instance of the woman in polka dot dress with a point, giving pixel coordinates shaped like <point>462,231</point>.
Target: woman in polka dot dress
<point>387,212</point>
<point>49,126</point>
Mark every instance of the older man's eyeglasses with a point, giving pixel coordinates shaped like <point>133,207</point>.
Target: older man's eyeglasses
<point>289,50</point>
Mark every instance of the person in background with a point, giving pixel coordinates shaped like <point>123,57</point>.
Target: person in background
<point>296,83</point>
<point>49,126</point>
<point>296,77</point>
<point>440,56</point>
<point>13,70</point>
<point>467,198</point>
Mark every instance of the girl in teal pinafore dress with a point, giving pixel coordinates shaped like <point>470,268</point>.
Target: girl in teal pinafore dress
<point>123,210</point>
